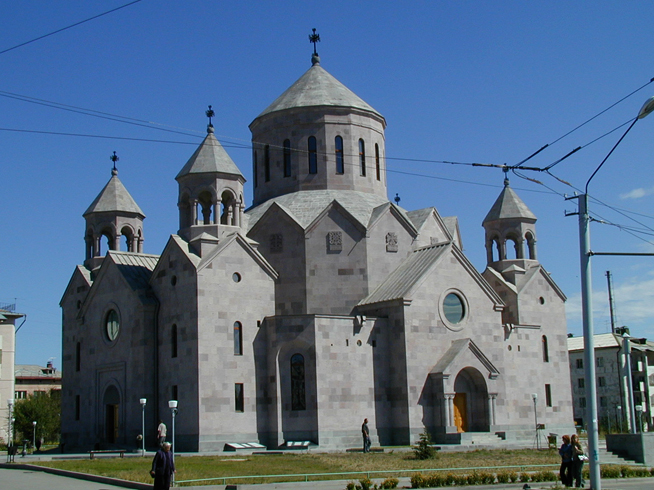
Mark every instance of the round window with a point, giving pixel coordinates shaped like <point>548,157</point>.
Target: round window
<point>236,277</point>
<point>454,308</point>
<point>112,325</point>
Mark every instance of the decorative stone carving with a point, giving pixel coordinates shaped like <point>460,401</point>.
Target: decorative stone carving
<point>391,242</point>
<point>276,243</point>
<point>335,241</point>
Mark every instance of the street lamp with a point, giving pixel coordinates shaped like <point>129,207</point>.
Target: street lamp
<point>172,404</point>
<point>630,387</point>
<point>10,407</point>
<point>143,401</point>
<point>587,309</point>
<point>33,436</point>
<point>639,410</point>
<point>534,397</point>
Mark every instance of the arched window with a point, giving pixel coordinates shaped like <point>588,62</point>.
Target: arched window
<point>266,163</point>
<point>173,341</point>
<point>377,162</point>
<point>313,155</point>
<point>255,170</point>
<point>287,158</point>
<point>340,165</point>
<point>362,157</point>
<point>546,353</point>
<point>298,398</point>
<point>78,360</point>
<point>238,339</point>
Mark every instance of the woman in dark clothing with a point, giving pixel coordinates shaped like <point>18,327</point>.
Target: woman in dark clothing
<point>163,467</point>
<point>577,461</point>
<point>566,462</point>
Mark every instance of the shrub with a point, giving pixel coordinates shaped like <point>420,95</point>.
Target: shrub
<point>626,471</point>
<point>418,481</point>
<point>460,480</point>
<point>474,478</point>
<point>610,471</point>
<point>525,477</point>
<point>503,477</point>
<point>486,478</point>
<point>641,472</point>
<point>436,480</point>
<point>350,486</point>
<point>424,448</point>
<point>389,483</point>
<point>450,478</point>
<point>366,484</point>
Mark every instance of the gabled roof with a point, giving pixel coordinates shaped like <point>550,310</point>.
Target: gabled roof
<point>509,206</point>
<point>135,268</point>
<point>210,157</point>
<point>318,88</point>
<point>306,206</point>
<point>114,198</point>
<point>602,341</point>
<point>404,278</point>
<point>458,347</point>
<point>245,243</point>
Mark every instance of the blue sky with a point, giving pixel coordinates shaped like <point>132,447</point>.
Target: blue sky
<point>465,81</point>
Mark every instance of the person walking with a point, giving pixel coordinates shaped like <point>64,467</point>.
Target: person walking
<point>163,467</point>
<point>366,436</point>
<point>565,451</point>
<point>578,458</point>
<point>161,433</point>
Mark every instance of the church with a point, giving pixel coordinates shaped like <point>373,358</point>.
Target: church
<point>321,304</point>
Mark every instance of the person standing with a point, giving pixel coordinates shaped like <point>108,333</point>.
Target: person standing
<point>565,451</point>
<point>366,436</point>
<point>163,467</point>
<point>577,461</point>
<point>161,433</point>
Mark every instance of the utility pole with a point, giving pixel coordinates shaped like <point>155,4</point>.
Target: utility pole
<point>611,305</point>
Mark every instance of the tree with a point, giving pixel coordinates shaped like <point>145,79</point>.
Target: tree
<point>45,409</point>
<point>424,448</point>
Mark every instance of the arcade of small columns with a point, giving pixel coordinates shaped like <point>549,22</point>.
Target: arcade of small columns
<point>518,245</point>
<point>232,214</point>
<point>92,240</point>
<point>449,408</point>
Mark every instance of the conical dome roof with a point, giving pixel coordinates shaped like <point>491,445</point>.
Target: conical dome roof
<point>509,206</point>
<point>114,198</point>
<point>210,157</point>
<point>318,88</point>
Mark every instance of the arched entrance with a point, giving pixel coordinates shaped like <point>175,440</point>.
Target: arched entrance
<point>111,404</point>
<point>471,402</point>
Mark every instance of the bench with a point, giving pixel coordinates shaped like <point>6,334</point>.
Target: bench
<point>108,451</point>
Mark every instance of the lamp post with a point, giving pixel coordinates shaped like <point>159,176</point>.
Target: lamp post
<point>587,309</point>
<point>33,436</point>
<point>172,404</point>
<point>639,411</point>
<point>143,401</point>
<point>534,397</point>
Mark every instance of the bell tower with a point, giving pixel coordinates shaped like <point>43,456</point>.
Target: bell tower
<point>210,191</point>
<point>113,214</point>
<point>510,234</point>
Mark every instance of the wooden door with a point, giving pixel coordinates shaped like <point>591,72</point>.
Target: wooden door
<point>460,412</point>
<point>111,423</point>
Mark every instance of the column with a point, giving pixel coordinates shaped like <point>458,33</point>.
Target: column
<point>491,408</point>
<point>194,202</point>
<point>449,409</point>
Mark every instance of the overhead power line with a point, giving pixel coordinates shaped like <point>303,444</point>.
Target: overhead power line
<point>68,27</point>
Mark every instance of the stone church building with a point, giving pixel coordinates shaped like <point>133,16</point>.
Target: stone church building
<point>319,305</point>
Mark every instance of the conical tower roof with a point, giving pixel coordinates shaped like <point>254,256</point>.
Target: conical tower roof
<point>210,157</point>
<point>318,88</point>
<point>114,198</point>
<point>509,206</point>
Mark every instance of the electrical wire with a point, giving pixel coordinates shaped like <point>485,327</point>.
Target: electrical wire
<point>68,27</point>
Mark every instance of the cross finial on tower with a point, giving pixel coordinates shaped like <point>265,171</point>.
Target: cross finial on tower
<point>397,198</point>
<point>314,38</point>
<point>114,158</point>
<point>210,113</point>
<point>506,176</point>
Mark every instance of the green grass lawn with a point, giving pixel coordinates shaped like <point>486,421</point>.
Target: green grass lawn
<point>199,467</point>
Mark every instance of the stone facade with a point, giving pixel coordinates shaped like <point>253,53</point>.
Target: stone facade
<point>319,306</point>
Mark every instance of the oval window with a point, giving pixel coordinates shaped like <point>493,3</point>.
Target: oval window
<point>453,308</point>
<point>112,325</point>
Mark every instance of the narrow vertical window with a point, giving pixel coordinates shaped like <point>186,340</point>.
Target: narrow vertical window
<point>298,397</point>
<point>362,157</point>
<point>256,169</point>
<point>173,341</point>
<point>546,354</point>
<point>313,155</point>
<point>238,397</point>
<point>548,395</point>
<point>174,394</point>
<point>287,158</point>
<point>238,339</point>
<point>266,163</point>
<point>77,407</point>
<point>340,165</point>
<point>78,360</point>
<point>377,162</point>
